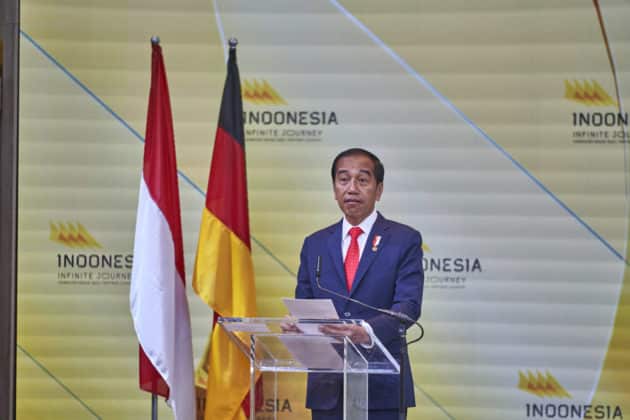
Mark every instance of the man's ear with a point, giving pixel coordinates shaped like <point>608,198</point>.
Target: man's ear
<point>379,191</point>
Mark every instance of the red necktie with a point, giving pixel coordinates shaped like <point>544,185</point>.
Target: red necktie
<point>352,256</point>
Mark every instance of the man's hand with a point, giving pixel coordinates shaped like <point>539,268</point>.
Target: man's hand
<point>356,333</point>
<point>289,326</point>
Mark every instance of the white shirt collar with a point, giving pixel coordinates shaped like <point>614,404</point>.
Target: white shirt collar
<point>365,225</point>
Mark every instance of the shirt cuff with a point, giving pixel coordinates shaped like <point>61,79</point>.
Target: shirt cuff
<point>370,332</point>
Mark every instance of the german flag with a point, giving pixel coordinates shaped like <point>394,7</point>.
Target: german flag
<point>223,274</point>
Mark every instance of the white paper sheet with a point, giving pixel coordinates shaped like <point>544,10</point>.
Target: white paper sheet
<point>310,309</point>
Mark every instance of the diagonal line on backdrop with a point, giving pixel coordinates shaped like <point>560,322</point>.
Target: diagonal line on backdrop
<point>220,26</point>
<point>430,398</point>
<point>141,139</point>
<point>416,386</point>
<point>615,75</point>
<point>412,72</point>
<point>61,384</point>
<point>613,343</point>
<point>137,135</point>
<point>97,99</point>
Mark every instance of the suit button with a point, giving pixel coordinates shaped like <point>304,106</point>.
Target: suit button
<point>347,314</point>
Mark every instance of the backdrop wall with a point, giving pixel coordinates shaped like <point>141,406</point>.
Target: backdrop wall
<point>502,132</point>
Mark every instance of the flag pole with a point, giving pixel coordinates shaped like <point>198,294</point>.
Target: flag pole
<point>154,410</point>
<point>155,40</point>
<point>233,42</point>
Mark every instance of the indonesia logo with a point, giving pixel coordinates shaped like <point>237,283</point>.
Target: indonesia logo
<point>448,271</point>
<point>86,262</point>
<point>552,404</point>
<point>72,236</point>
<point>272,119</point>
<point>450,264</point>
<point>587,93</point>
<point>603,126</point>
<point>261,92</point>
<point>541,385</point>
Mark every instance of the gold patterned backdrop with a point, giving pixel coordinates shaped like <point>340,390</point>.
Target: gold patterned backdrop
<point>503,131</point>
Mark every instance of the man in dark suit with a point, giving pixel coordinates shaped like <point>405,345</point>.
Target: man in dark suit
<point>370,259</point>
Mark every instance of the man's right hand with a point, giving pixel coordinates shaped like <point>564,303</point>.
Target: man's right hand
<point>289,326</point>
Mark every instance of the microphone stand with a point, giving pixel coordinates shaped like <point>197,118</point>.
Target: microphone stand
<point>403,319</point>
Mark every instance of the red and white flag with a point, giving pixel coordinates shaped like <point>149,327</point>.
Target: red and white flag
<point>159,306</point>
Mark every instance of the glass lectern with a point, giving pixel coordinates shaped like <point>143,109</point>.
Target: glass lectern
<point>269,349</point>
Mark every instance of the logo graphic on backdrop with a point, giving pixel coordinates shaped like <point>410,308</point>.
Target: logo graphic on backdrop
<point>85,261</point>
<point>261,93</point>
<point>72,236</point>
<point>272,407</point>
<point>547,388</point>
<point>273,119</point>
<point>269,411</point>
<point>597,125</point>
<point>587,93</point>
<point>448,271</point>
<point>541,385</point>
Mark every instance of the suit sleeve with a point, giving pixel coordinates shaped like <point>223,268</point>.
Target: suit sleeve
<point>408,291</point>
<point>304,288</point>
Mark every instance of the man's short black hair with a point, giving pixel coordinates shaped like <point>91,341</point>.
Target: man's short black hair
<point>379,169</point>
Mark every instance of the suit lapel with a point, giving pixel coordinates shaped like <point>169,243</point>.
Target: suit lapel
<point>371,250</point>
<point>334,249</point>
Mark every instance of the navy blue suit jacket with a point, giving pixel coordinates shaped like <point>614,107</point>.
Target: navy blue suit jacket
<point>389,276</point>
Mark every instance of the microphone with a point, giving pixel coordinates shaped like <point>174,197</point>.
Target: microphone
<point>398,315</point>
<point>403,318</point>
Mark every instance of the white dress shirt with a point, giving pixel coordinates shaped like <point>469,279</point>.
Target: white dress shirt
<point>366,227</point>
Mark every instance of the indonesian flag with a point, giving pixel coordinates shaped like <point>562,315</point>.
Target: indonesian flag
<point>158,292</point>
<point>224,274</point>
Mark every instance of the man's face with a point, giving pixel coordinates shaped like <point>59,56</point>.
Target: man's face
<point>355,187</point>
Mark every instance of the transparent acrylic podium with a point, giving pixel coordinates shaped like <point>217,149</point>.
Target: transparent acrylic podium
<point>269,349</point>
